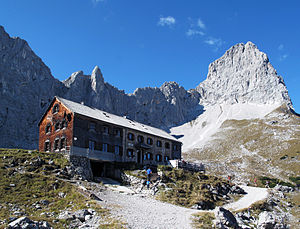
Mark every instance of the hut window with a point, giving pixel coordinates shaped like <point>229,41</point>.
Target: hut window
<point>158,157</point>
<point>47,146</point>
<point>140,139</point>
<point>69,117</point>
<point>130,153</point>
<point>63,124</point>
<point>149,156</point>
<point>105,147</point>
<point>56,144</point>
<point>149,141</point>
<point>105,129</point>
<point>57,126</point>
<point>130,136</point>
<point>175,147</point>
<point>92,126</point>
<point>55,109</point>
<point>118,150</point>
<point>63,143</point>
<point>158,143</point>
<point>117,132</point>
<point>167,145</point>
<point>48,128</point>
<point>91,145</point>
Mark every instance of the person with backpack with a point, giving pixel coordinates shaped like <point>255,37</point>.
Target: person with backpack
<point>149,172</point>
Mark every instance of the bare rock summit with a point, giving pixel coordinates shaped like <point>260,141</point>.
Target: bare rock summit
<point>243,75</point>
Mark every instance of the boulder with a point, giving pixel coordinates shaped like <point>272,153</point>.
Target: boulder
<point>25,222</point>
<point>225,219</point>
<point>81,214</point>
<point>268,220</point>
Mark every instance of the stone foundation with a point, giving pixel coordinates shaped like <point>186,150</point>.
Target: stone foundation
<point>83,166</point>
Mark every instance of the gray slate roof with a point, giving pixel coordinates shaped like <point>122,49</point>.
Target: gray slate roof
<point>114,119</point>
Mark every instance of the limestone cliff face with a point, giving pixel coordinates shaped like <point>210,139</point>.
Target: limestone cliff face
<point>243,75</point>
<point>27,86</point>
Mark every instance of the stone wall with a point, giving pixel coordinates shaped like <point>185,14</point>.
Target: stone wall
<point>82,167</point>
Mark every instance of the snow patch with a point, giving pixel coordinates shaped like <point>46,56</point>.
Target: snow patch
<point>197,132</point>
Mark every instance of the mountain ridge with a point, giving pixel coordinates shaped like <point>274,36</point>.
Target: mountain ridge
<point>24,75</point>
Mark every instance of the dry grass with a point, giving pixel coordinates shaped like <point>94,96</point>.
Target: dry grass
<point>20,189</point>
<point>187,189</point>
<point>203,220</point>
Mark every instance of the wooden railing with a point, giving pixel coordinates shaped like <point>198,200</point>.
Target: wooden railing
<point>195,167</point>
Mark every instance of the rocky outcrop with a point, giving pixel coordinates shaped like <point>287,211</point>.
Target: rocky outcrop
<point>243,75</point>
<point>25,222</point>
<point>270,220</point>
<point>225,219</point>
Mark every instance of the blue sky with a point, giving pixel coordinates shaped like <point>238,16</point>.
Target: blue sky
<point>142,43</point>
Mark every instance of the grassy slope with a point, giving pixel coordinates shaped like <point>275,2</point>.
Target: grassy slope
<point>252,148</point>
<point>23,184</point>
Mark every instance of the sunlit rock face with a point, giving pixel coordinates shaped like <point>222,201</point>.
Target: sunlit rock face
<point>26,85</point>
<point>243,75</point>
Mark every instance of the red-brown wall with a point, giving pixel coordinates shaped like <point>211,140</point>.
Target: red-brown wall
<point>52,119</point>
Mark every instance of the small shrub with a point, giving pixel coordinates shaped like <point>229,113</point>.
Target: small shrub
<point>284,157</point>
<point>164,168</point>
<point>273,182</point>
<point>296,180</point>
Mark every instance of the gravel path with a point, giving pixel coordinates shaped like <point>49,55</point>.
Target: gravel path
<point>139,211</point>
<point>254,194</point>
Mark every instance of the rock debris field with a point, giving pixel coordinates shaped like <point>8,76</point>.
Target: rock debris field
<point>142,211</point>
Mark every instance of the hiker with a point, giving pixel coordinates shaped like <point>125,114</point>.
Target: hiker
<point>229,179</point>
<point>148,184</point>
<point>267,184</point>
<point>149,172</point>
<point>255,181</point>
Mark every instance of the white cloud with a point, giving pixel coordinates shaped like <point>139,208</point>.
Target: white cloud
<point>95,2</point>
<point>201,24</point>
<point>283,57</point>
<point>166,21</point>
<point>214,41</point>
<point>192,32</point>
<point>280,47</point>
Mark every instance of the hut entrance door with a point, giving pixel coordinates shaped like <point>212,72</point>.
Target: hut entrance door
<point>140,157</point>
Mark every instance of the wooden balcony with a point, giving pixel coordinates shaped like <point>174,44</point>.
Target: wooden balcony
<point>92,154</point>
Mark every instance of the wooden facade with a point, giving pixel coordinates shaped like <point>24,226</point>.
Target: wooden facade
<point>63,129</point>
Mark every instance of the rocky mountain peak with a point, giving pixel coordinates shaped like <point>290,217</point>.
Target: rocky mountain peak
<point>243,75</point>
<point>97,80</point>
<point>97,73</point>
